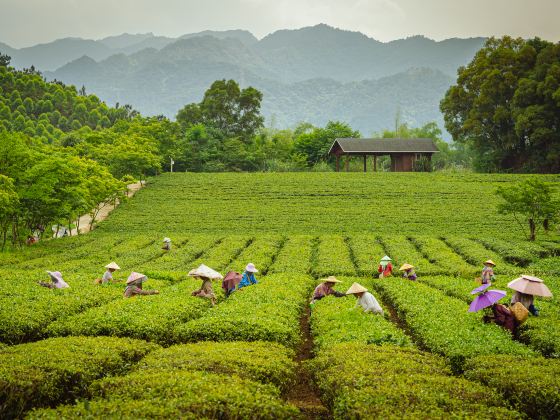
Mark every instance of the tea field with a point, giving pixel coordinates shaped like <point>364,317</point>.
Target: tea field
<point>261,353</point>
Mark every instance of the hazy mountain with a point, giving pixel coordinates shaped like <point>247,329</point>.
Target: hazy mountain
<point>313,74</point>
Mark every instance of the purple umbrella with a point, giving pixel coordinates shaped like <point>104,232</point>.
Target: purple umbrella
<point>480,289</point>
<point>486,299</point>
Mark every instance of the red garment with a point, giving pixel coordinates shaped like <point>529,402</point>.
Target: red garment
<point>388,270</point>
<point>503,317</point>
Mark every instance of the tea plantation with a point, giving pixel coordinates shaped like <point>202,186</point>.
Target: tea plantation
<point>87,352</point>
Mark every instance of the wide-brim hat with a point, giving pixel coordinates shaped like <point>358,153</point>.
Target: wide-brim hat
<point>406,266</point>
<point>251,268</point>
<point>530,285</point>
<point>205,271</point>
<point>136,277</point>
<point>330,279</point>
<point>490,262</point>
<point>113,265</point>
<point>166,240</point>
<point>386,258</point>
<point>55,275</point>
<point>356,288</point>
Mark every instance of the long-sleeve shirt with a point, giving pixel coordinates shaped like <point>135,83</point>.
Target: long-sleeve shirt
<point>134,290</point>
<point>526,300</point>
<point>386,271</point>
<point>246,280</point>
<point>411,275</point>
<point>369,303</point>
<point>324,290</point>
<point>107,277</point>
<point>487,275</point>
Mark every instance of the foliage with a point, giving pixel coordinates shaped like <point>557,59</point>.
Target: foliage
<point>453,332</point>
<point>531,385</point>
<point>359,381</point>
<point>61,369</point>
<point>530,202</point>
<point>505,103</point>
<point>265,362</point>
<point>333,257</point>
<point>267,311</point>
<point>366,252</point>
<point>443,256</point>
<point>189,395</point>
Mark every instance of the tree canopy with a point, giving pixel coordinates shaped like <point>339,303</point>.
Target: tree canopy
<point>506,106</point>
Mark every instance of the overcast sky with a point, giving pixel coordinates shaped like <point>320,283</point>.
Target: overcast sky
<point>28,22</point>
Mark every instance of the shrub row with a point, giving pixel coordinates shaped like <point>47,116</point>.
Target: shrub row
<point>338,320</point>
<point>261,252</point>
<point>221,255</point>
<point>367,252</point>
<point>260,361</point>
<point>268,311</point>
<point>361,381</point>
<point>146,317</point>
<point>443,324</point>
<point>517,253</point>
<point>401,250</point>
<point>443,256</point>
<point>333,257</point>
<point>58,370</point>
<point>531,385</point>
<point>172,394</point>
<point>295,256</point>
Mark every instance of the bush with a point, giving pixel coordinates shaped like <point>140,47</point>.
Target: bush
<point>359,381</point>
<point>61,369</point>
<point>443,324</point>
<point>333,257</point>
<point>145,317</point>
<point>443,256</point>
<point>401,250</point>
<point>189,395</point>
<point>259,361</point>
<point>531,385</point>
<point>268,311</point>
<point>337,320</point>
<point>366,252</point>
<point>294,256</point>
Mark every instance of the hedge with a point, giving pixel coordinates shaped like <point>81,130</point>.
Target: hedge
<point>361,381</point>
<point>531,385</point>
<point>295,255</point>
<point>58,370</point>
<point>186,395</point>
<point>267,311</point>
<point>260,361</point>
<point>443,325</point>
<point>145,317</point>
<point>337,320</point>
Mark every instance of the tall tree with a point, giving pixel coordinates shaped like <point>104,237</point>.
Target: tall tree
<point>506,105</point>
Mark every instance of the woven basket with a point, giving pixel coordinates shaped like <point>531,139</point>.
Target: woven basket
<point>519,312</point>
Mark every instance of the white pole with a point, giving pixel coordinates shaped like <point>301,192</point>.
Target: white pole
<point>171,162</point>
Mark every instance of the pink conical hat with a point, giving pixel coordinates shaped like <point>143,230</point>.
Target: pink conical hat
<point>134,276</point>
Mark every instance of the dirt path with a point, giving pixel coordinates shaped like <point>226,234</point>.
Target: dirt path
<point>303,394</point>
<point>85,220</point>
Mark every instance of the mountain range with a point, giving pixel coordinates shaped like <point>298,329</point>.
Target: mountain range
<point>312,74</point>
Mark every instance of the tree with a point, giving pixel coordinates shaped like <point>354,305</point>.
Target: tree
<point>227,108</point>
<point>9,202</point>
<point>506,105</point>
<point>531,203</point>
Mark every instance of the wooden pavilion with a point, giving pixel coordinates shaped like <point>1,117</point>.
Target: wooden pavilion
<point>403,152</point>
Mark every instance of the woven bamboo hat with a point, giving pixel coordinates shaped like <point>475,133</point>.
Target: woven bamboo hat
<point>205,271</point>
<point>113,265</point>
<point>386,258</point>
<point>490,262</point>
<point>166,240</point>
<point>330,279</point>
<point>356,288</point>
<point>406,266</point>
<point>530,285</point>
<point>136,277</point>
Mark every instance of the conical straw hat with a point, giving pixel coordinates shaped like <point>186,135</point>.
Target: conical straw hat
<point>356,288</point>
<point>330,279</point>
<point>205,271</point>
<point>135,277</point>
<point>166,240</point>
<point>406,266</point>
<point>113,265</point>
<point>530,285</point>
<point>386,258</point>
<point>490,262</point>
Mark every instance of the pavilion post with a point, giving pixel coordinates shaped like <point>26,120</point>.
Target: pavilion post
<point>374,163</point>
<point>337,163</point>
<point>365,163</point>
<point>347,162</point>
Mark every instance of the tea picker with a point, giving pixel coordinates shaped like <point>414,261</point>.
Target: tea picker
<point>408,272</point>
<point>248,277</point>
<point>108,276</point>
<point>206,274</point>
<point>325,288</point>
<point>56,281</point>
<point>385,267</point>
<point>487,275</point>
<point>365,299</point>
<point>526,288</point>
<point>166,244</point>
<point>134,286</point>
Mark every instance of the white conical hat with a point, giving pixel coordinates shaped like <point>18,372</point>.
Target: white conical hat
<point>356,288</point>
<point>386,258</point>
<point>205,271</point>
<point>166,240</point>
<point>113,265</point>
